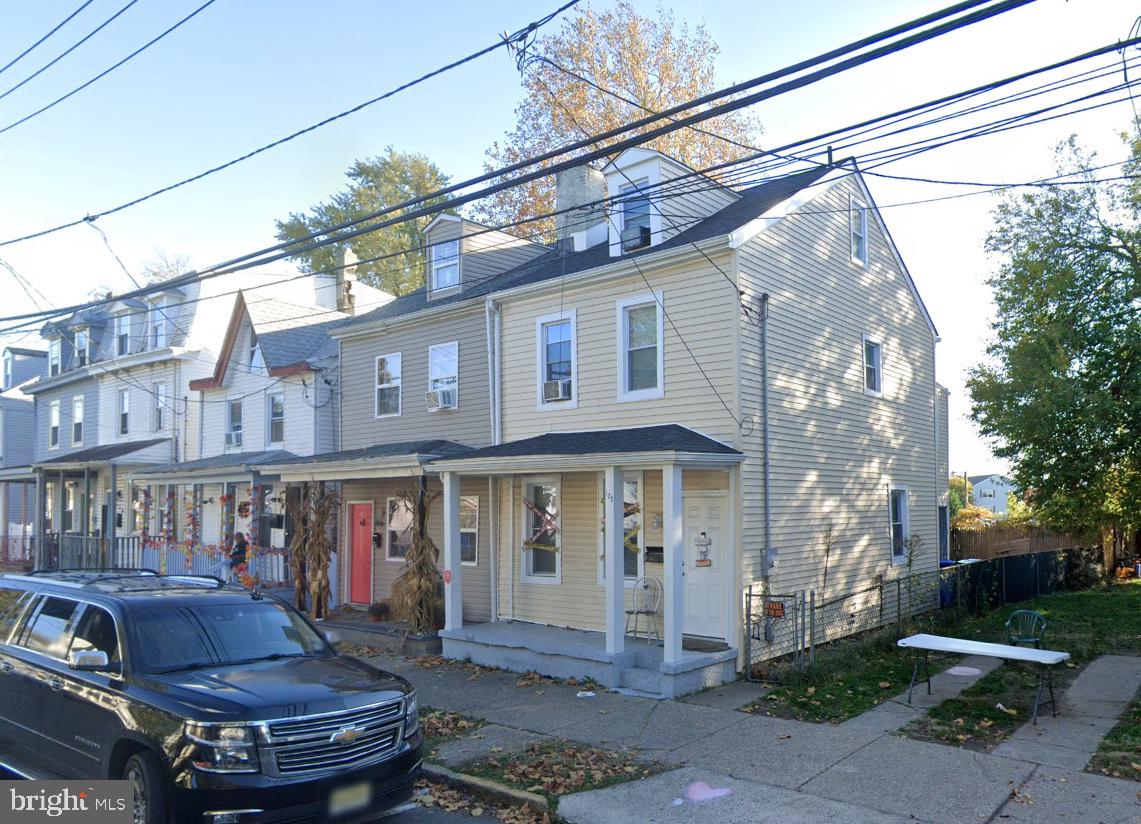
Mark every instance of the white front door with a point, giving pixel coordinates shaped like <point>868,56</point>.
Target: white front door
<point>707,560</point>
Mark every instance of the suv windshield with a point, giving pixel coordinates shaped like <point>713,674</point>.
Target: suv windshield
<point>169,639</point>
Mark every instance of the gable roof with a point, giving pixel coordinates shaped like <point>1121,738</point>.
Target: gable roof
<point>292,337</point>
<point>978,479</point>
<point>558,262</point>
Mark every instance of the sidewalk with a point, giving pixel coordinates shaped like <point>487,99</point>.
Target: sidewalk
<point>740,767</point>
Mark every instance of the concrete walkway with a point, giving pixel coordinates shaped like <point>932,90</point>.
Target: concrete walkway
<point>738,767</point>
<point>1087,711</point>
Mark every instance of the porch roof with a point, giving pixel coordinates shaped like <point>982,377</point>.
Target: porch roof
<point>640,445</point>
<point>217,466</point>
<point>384,460</point>
<point>106,453</point>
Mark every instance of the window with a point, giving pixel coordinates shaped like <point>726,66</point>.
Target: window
<point>12,603</point>
<point>234,423</point>
<point>68,507</point>
<point>7,370</point>
<point>556,347</point>
<point>161,405</point>
<point>96,633</point>
<point>54,362</point>
<point>444,265</point>
<point>136,512</point>
<point>276,427</point>
<point>77,420</point>
<point>388,385</point>
<point>124,411</point>
<point>541,538</point>
<point>160,327</point>
<point>53,425</point>
<point>873,366</point>
<point>632,534</point>
<point>398,530</point>
<point>635,205</point>
<point>640,349</point>
<point>257,362</point>
<point>443,374</point>
<point>898,525</point>
<point>858,226</point>
<point>469,529</point>
<point>122,334</point>
<point>82,347</point>
<point>50,631</point>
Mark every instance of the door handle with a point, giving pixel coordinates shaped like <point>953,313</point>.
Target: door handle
<point>55,683</point>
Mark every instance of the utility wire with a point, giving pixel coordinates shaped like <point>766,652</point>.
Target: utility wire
<point>106,71</point>
<point>72,48</point>
<point>58,26</point>
<point>523,32</point>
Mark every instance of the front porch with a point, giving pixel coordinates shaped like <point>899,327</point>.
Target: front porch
<point>560,652</point>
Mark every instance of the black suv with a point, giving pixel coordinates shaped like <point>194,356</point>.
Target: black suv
<point>218,704</point>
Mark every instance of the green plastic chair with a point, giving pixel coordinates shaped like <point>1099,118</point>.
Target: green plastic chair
<point>1025,626</point>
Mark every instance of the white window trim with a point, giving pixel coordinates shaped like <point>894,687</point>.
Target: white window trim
<point>540,360</point>
<point>82,421</point>
<point>388,531</point>
<point>399,385</point>
<point>857,207</point>
<point>433,265</point>
<point>865,339</point>
<point>55,353</point>
<point>658,300</point>
<point>270,442</point>
<point>54,406</point>
<point>228,421</point>
<point>524,576</point>
<point>476,531</point>
<point>627,581</point>
<point>122,393</point>
<point>9,370</point>
<point>123,319</point>
<point>161,408</point>
<point>898,560</point>
<point>456,386</point>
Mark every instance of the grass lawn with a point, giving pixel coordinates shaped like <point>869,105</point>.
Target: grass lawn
<point>1120,752</point>
<point>556,768</point>
<point>853,676</point>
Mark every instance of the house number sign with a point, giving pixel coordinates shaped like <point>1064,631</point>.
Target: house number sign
<point>703,542</point>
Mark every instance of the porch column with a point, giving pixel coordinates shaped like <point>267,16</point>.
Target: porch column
<point>453,592</point>
<point>613,512</point>
<point>673,541</point>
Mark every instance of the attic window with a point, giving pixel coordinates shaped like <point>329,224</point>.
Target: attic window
<point>635,215</point>
<point>257,362</point>
<point>444,265</point>
<point>858,227</point>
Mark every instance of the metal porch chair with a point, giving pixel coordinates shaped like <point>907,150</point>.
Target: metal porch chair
<point>1025,626</point>
<point>647,601</point>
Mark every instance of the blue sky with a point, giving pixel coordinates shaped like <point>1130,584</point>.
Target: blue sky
<point>245,72</point>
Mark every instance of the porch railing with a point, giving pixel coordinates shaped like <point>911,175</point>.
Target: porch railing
<point>17,550</point>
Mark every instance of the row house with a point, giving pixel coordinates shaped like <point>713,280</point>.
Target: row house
<point>742,379</point>
<point>21,365</point>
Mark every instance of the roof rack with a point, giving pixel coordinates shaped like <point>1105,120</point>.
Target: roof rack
<point>211,579</point>
<point>110,570</point>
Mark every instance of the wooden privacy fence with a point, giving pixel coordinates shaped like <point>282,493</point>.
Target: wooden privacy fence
<point>1003,540</point>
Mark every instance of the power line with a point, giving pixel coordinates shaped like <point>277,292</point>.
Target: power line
<point>106,71</point>
<point>69,50</point>
<point>503,42</point>
<point>58,26</point>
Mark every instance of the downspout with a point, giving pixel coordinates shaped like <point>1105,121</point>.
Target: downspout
<point>174,416</point>
<point>491,323</point>
<point>769,556</point>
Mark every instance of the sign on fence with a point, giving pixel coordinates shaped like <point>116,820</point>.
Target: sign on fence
<point>774,609</point>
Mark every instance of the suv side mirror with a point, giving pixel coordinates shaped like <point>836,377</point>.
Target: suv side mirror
<point>88,660</point>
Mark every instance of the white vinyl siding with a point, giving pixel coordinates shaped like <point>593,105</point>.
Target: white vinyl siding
<point>387,375</point>
<point>555,346</point>
<point>541,532</point>
<point>640,348</point>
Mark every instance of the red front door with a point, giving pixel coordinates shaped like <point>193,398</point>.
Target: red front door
<point>360,570</point>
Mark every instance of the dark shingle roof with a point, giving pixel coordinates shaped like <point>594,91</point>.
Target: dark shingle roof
<point>429,449</point>
<point>107,452</point>
<point>665,438</point>
<point>290,334</point>
<point>229,460</point>
<point>754,202</point>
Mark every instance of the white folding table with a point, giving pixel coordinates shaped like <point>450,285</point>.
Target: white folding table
<point>1045,659</point>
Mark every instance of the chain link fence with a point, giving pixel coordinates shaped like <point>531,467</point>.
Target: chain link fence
<point>793,624</point>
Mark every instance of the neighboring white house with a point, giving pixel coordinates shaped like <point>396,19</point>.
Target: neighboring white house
<point>990,491</point>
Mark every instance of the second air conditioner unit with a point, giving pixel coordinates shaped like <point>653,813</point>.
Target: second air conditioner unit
<point>559,390</point>
<point>441,399</point>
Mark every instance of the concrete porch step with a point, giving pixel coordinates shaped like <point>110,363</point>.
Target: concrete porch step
<point>642,679</point>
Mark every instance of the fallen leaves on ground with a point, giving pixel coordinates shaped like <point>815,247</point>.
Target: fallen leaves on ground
<point>431,661</point>
<point>562,768</point>
<point>453,800</point>
<point>359,650</point>
<point>442,725</point>
<point>885,685</point>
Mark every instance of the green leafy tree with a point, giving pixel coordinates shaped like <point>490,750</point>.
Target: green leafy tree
<point>653,61</point>
<point>958,494</point>
<point>1061,393</point>
<point>374,183</point>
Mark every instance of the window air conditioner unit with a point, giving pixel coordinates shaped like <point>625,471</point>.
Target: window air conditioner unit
<point>441,399</point>
<point>635,237</point>
<point>559,390</point>
<point>233,439</point>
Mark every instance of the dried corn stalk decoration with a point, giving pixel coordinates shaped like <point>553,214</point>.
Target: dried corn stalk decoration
<point>415,594</point>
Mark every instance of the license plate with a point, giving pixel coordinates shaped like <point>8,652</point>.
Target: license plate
<point>350,798</point>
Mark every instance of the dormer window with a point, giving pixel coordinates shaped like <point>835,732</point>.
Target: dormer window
<point>160,332</point>
<point>122,335</point>
<point>257,362</point>
<point>444,265</point>
<point>82,348</point>
<point>54,362</point>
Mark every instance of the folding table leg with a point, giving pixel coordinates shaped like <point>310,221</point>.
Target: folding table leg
<point>914,672</point>
<point>1038,694</point>
<point>1050,684</point>
<point>927,669</point>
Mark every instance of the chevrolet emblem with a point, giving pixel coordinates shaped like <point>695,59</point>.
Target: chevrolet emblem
<point>346,735</point>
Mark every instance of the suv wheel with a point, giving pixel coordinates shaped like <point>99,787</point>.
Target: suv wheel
<point>148,793</point>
